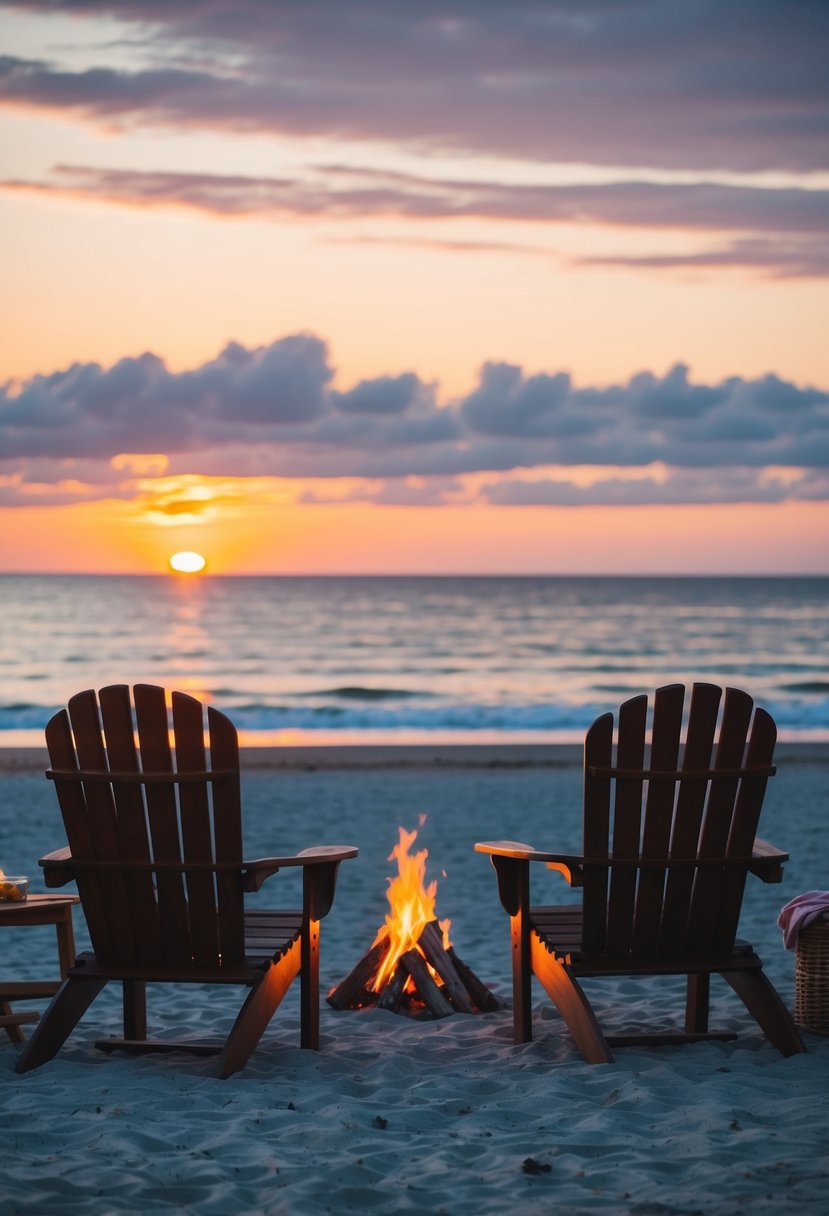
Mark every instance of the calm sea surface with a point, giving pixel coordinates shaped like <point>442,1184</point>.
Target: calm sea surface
<point>482,658</point>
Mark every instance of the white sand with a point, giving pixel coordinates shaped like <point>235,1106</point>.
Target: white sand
<point>396,1115</point>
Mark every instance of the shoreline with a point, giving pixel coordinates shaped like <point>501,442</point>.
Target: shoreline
<point>415,756</point>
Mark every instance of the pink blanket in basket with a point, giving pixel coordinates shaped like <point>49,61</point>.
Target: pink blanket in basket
<point>799,913</point>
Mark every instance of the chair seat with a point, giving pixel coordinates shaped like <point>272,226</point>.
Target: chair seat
<point>267,929</point>
<point>269,935</point>
<point>559,929</point>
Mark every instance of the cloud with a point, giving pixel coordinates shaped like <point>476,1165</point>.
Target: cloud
<point>735,421</point>
<point>398,492</point>
<point>505,403</point>
<point>740,86</point>
<point>139,406</point>
<point>671,488</point>
<point>443,246</point>
<point>336,192</point>
<point>273,411</point>
<point>788,226</point>
<point>781,259</point>
<point>183,499</point>
<point>385,395</point>
<point>788,257</point>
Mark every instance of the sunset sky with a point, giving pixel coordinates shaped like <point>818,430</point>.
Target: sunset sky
<point>447,286</point>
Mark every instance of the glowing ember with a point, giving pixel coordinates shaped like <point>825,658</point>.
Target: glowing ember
<point>412,907</point>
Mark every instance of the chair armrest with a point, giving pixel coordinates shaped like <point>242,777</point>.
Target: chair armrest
<point>569,865</point>
<point>511,860</point>
<point>767,861</point>
<point>319,865</point>
<point>58,867</point>
<point>255,872</point>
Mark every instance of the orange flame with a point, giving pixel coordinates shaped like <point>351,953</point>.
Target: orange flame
<point>411,904</point>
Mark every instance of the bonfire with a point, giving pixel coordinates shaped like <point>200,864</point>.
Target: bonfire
<point>411,966</point>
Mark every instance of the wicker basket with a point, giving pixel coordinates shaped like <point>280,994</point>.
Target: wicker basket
<point>811,992</point>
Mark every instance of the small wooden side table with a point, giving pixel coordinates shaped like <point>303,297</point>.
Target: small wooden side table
<point>36,910</point>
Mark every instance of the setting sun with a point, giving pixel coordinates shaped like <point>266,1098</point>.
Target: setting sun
<point>187,563</point>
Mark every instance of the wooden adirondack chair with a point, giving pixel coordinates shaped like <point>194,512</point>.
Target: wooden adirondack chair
<point>662,873</point>
<point>155,846</point>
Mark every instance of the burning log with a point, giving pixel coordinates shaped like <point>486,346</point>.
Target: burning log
<point>411,966</point>
<point>431,943</point>
<point>348,993</point>
<point>483,998</point>
<point>392,994</point>
<point>425,986</point>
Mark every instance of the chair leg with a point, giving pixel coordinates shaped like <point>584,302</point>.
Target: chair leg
<point>696,1003</point>
<point>257,1011</point>
<point>68,1006</point>
<point>763,1002</point>
<point>12,1028</point>
<point>563,989</point>
<point>521,980</point>
<point>135,1009</point>
<point>309,981</point>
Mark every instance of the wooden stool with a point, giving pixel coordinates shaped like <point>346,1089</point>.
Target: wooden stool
<point>36,910</point>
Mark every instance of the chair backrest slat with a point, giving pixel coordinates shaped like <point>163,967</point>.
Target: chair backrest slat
<point>103,821</point>
<point>627,816</point>
<point>134,845</point>
<point>744,824</point>
<point>227,818</point>
<point>719,811</point>
<point>690,806</point>
<point>162,813</point>
<point>659,814</point>
<point>196,836</point>
<point>598,747</point>
<point>72,802</point>
<point>683,892</point>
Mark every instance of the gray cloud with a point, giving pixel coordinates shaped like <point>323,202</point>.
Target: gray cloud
<point>677,486</point>
<point>338,193</point>
<point>385,395</point>
<point>789,226</point>
<point>779,257</point>
<point>273,410</point>
<point>505,403</point>
<point>138,406</point>
<point>793,258</point>
<point>739,86</point>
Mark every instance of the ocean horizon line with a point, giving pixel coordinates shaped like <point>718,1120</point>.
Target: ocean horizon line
<point>692,576</point>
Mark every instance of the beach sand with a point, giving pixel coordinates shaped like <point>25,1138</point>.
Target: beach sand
<point>396,1115</point>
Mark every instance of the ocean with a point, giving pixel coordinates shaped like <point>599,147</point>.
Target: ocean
<point>408,659</point>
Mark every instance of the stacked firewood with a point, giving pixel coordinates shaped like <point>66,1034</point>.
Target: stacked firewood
<point>429,981</point>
